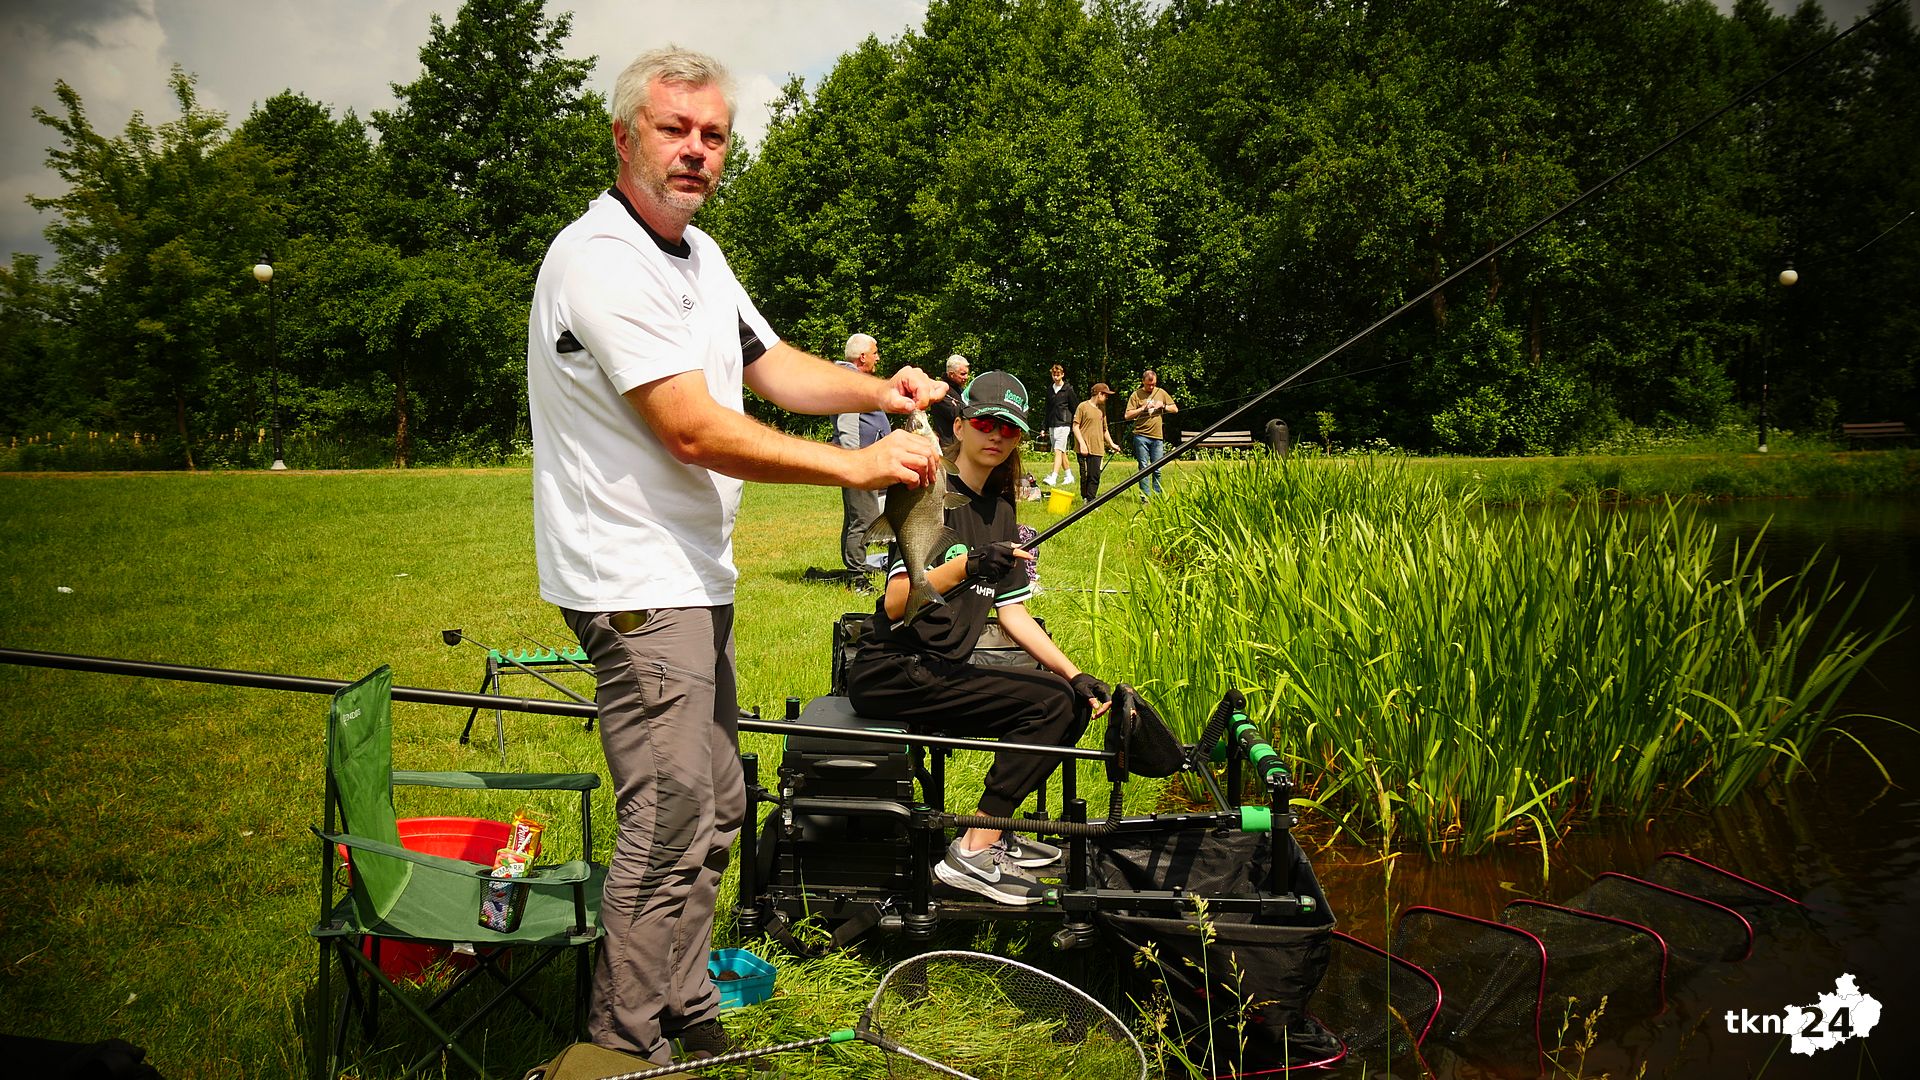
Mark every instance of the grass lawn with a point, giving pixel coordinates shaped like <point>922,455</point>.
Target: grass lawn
<point>162,879</point>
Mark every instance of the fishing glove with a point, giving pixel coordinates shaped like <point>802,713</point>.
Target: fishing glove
<point>1086,686</point>
<point>990,563</point>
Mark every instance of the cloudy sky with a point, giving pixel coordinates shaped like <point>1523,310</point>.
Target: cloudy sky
<point>347,53</point>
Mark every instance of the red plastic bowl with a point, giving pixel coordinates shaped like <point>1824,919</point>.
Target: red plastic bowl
<point>473,839</point>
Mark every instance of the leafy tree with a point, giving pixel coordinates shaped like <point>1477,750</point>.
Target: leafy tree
<point>416,349</point>
<point>496,144</point>
<point>324,167</point>
<point>153,237</point>
<point>35,394</point>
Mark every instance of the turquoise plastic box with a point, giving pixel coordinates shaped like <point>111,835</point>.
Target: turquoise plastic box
<point>743,978</point>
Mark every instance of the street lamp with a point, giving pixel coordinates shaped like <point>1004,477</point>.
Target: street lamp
<point>1787,279</point>
<point>263,273</point>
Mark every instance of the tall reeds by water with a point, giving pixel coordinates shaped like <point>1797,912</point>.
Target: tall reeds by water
<point>1452,676</point>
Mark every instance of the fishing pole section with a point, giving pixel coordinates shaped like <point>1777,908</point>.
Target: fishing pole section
<point>1138,743</point>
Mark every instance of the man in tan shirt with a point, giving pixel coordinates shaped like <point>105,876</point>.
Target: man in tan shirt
<point>1091,439</point>
<point>1146,407</point>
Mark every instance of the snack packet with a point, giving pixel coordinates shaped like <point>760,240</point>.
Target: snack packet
<point>501,904</point>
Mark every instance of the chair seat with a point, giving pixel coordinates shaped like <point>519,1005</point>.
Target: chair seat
<point>430,910</point>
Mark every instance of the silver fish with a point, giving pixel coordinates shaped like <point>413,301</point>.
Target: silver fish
<point>917,518</point>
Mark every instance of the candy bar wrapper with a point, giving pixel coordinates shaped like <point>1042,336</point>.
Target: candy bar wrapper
<point>502,903</point>
<point>524,836</point>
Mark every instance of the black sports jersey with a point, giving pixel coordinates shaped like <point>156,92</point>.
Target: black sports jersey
<point>951,630</point>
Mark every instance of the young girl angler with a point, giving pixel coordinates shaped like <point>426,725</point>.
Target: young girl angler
<point>917,672</point>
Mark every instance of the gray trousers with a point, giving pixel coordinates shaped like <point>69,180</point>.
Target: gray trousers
<point>669,722</point>
<point>859,510</point>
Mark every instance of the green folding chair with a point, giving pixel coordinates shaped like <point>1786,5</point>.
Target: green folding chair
<point>395,894</point>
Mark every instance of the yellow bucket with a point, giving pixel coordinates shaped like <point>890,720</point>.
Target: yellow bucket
<point>1059,500</point>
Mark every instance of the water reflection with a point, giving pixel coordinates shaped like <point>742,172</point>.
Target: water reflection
<point>1841,839</point>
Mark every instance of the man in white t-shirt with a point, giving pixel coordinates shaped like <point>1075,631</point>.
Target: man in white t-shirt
<point>638,344</point>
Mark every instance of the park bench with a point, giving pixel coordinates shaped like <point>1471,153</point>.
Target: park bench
<point>1221,440</point>
<point>1274,438</point>
<point>1882,429</point>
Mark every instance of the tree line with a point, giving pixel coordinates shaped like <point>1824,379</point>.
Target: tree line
<point>1217,189</point>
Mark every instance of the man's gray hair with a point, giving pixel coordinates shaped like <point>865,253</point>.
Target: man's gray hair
<point>857,346</point>
<point>956,362</point>
<point>673,64</point>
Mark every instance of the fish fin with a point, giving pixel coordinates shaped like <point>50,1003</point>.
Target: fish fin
<point>917,600</point>
<point>955,501</point>
<point>879,531</point>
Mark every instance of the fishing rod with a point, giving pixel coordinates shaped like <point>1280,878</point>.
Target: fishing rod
<point>1491,254</point>
<point>305,684</point>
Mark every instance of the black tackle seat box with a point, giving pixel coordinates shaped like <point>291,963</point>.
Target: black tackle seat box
<point>851,800</point>
<point>994,649</point>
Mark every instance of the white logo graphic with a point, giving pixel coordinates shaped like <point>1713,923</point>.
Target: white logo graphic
<point>1841,1015</point>
<point>1847,1013</point>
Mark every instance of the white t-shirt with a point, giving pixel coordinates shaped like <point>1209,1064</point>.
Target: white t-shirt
<point>618,523</point>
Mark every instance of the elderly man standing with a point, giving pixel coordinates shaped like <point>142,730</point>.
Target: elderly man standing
<point>859,508</point>
<point>638,344</point>
<point>1145,407</point>
<point>945,411</point>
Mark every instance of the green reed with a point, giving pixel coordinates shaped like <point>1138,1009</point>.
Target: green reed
<point>1450,676</point>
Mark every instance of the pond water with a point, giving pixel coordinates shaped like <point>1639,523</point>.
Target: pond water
<point>1842,840</point>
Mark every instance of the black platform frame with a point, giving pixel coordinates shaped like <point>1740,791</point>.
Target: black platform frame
<point>913,902</point>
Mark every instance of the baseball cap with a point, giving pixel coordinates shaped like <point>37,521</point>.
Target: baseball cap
<point>996,394</point>
<point>1101,388</point>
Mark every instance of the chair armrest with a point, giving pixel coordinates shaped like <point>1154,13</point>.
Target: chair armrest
<point>564,874</point>
<point>495,781</point>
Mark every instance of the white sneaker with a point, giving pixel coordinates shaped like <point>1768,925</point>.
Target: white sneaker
<point>1052,479</point>
<point>1068,479</point>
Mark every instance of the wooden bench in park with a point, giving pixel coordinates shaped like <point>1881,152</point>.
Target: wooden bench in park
<point>1221,440</point>
<point>1881,429</point>
<point>1274,438</point>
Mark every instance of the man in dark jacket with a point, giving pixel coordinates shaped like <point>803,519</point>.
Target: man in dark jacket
<point>944,412</point>
<point>860,508</point>
<point>1060,402</point>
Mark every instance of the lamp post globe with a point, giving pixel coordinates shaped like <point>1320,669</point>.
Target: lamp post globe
<point>263,273</point>
<point>1787,279</point>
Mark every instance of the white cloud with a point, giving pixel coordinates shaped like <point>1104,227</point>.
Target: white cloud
<point>346,53</point>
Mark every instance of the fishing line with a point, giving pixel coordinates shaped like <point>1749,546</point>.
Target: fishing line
<point>1488,256</point>
<point>1355,373</point>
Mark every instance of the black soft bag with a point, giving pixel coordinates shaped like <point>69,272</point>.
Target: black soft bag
<point>1235,992</point>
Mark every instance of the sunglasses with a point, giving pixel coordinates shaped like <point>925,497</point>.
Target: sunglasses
<point>985,426</point>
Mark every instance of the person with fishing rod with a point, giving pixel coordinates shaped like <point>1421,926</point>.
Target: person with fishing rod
<point>1092,440</point>
<point>914,669</point>
<point>639,344</point>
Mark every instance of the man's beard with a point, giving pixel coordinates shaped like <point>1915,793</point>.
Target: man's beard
<point>686,201</point>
